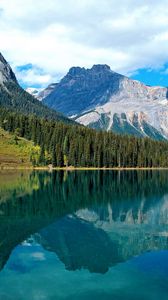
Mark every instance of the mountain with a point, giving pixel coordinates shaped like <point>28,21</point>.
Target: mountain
<point>40,94</point>
<point>103,99</point>
<point>12,96</point>
<point>46,92</point>
<point>33,91</point>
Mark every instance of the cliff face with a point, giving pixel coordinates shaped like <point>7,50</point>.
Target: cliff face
<point>82,89</point>
<point>103,99</point>
<point>6,73</point>
<point>134,108</point>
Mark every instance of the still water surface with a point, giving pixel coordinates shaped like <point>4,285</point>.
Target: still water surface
<point>84,235</point>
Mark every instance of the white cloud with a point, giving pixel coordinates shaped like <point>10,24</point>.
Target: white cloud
<point>55,35</point>
<point>33,76</point>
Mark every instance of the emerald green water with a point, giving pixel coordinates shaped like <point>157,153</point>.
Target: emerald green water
<point>84,235</point>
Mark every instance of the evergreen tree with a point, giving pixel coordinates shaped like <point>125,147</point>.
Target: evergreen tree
<point>54,158</point>
<point>42,160</point>
<point>66,145</point>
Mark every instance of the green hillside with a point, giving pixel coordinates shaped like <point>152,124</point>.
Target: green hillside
<point>16,151</point>
<point>12,96</point>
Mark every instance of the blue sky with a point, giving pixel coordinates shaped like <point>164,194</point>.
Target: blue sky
<point>43,39</point>
<point>152,76</point>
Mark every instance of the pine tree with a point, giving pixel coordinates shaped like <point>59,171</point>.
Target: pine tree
<point>54,158</point>
<point>42,156</point>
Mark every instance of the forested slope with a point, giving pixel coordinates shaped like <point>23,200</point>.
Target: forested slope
<point>12,96</point>
<point>72,145</point>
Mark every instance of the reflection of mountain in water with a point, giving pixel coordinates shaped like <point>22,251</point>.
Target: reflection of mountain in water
<point>79,245</point>
<point>104,240</point>
<point>91,220</point>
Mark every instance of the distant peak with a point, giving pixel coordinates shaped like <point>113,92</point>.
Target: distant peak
<point>95,68</point>
<point>100,68</point>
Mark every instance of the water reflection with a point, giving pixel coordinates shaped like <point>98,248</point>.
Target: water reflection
<point>91,220</point>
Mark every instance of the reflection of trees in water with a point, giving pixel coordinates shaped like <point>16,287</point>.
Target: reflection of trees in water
<point>54,195</point>
<point>16,183</point>
<point>59,193</point>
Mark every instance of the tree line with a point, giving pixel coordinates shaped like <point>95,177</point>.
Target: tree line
<point>73,145</point>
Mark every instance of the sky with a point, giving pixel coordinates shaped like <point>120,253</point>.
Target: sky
<point>43,39</point>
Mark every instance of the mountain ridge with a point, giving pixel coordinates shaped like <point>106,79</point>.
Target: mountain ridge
<point>103,99</point>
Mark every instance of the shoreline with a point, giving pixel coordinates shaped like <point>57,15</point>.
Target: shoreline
<point>80,168</point>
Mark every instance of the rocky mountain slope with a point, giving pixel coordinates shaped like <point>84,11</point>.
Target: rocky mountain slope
<point>103,99</point>
<point>46,92</point>
<point>6,73</point>
<point>40,94</point>
<point>14,97</point>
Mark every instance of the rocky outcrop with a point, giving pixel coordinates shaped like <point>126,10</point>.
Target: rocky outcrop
<point>103,99</point>
<point>6,73</point>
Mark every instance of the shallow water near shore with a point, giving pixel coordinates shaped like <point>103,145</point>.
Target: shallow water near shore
<point>84,234</point>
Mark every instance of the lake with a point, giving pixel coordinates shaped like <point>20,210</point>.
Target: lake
<point>84,235</point>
